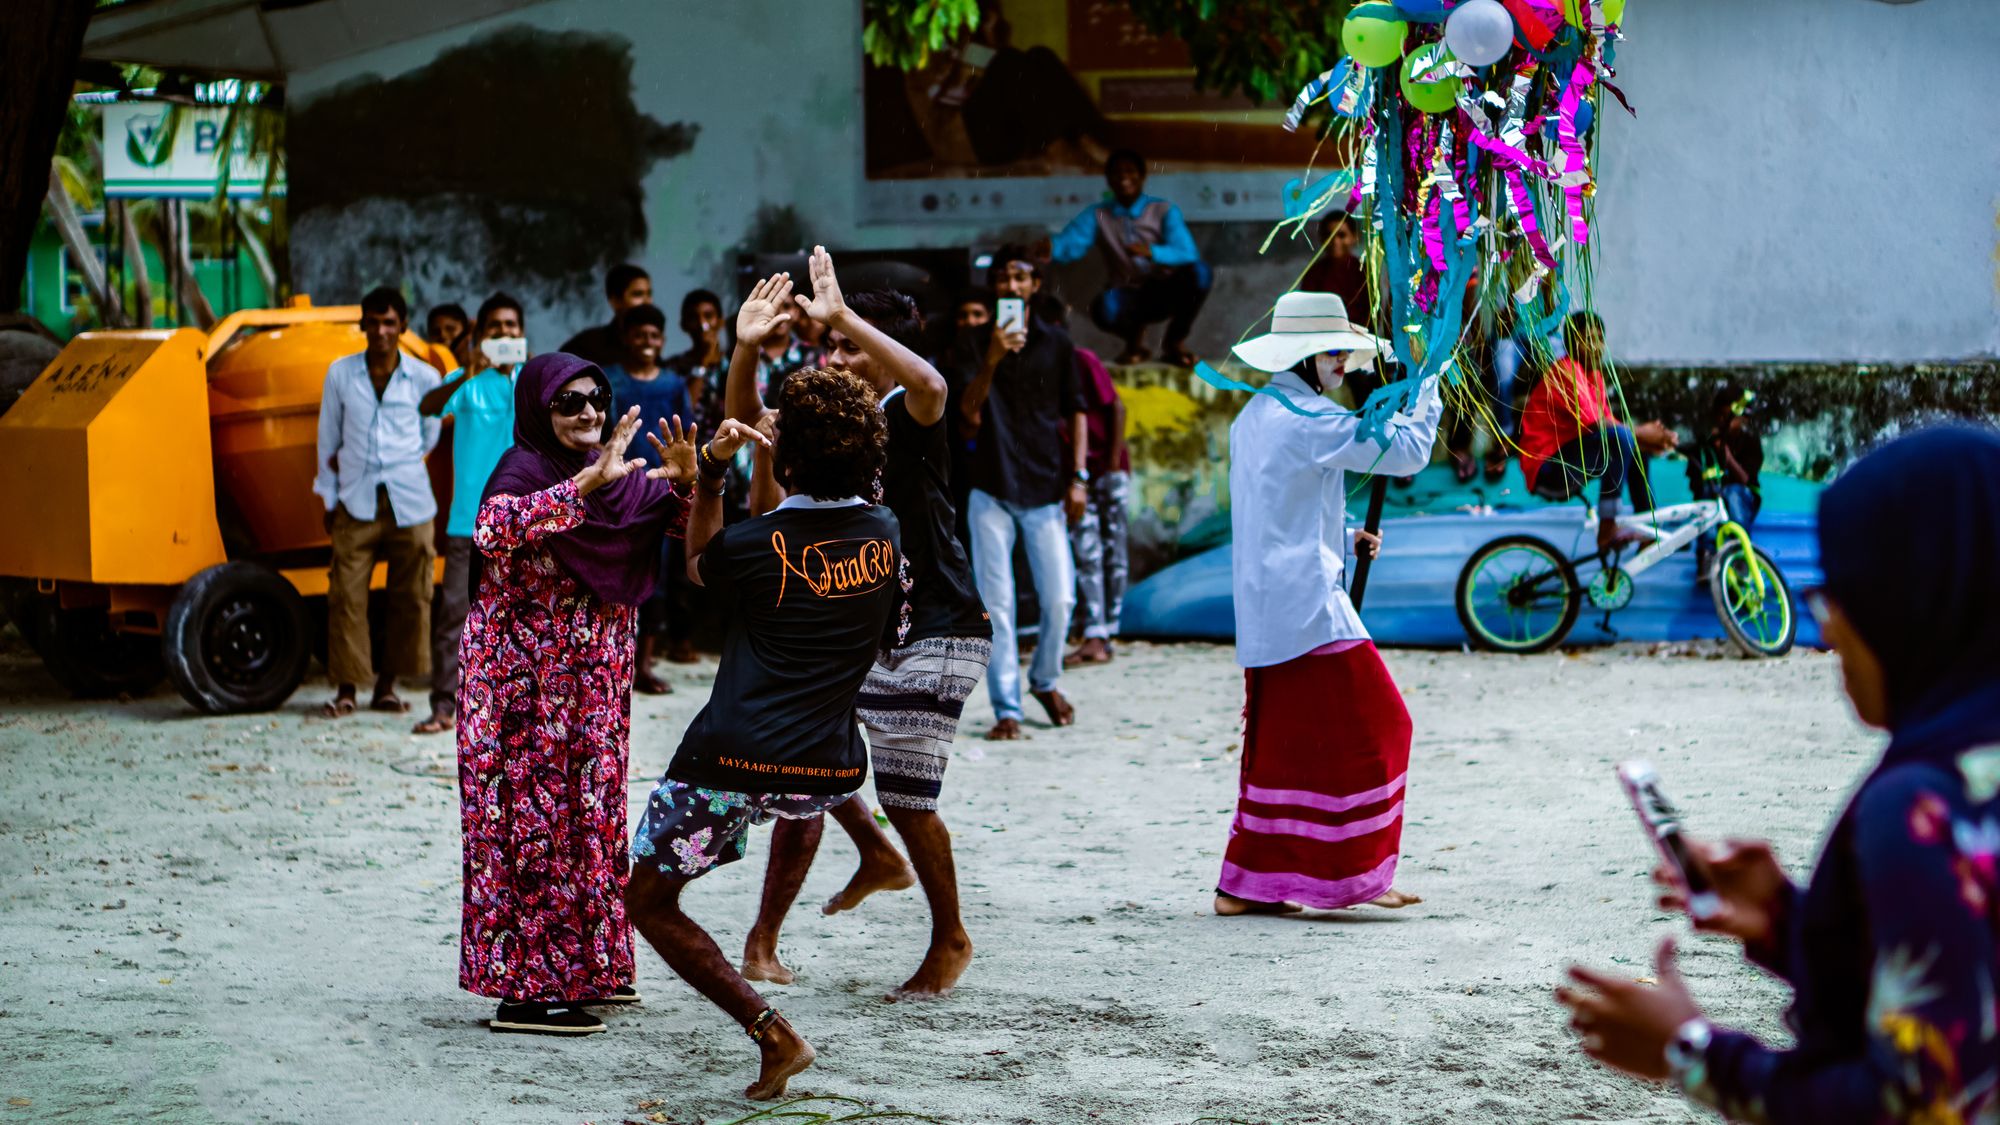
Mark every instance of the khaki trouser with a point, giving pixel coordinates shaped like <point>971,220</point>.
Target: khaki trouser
<point>410,553</point>
<point>448,623</point>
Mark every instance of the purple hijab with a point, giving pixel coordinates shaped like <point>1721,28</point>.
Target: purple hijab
<point>615,551</point>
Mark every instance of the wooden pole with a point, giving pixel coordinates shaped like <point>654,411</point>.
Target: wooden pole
<point>1378,491</point>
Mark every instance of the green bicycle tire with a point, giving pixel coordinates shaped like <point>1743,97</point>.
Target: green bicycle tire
<point>1534,553</point>
<point>1762,625</point>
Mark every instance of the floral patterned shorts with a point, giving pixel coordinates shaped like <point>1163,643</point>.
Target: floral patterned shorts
<point>689,831</point>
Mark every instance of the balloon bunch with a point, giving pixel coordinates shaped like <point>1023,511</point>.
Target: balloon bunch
<point>1472,124</point>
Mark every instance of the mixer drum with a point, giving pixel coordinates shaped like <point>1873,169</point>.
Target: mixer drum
<point>264,391</point>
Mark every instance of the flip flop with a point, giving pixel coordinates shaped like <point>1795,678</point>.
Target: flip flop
<point>389,704</point>
<point>436,724</point>
<point>336,708</point>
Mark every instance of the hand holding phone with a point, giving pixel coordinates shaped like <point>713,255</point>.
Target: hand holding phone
<point>1663,824</point>
<point>1013,314</point>
<point>504,351</point>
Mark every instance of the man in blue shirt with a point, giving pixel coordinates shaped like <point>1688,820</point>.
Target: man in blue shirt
<point>1155,271</point>
<point>480,402</point>
<point>640,380</point>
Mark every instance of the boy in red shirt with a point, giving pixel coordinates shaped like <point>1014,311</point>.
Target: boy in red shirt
<point>1570,434</point>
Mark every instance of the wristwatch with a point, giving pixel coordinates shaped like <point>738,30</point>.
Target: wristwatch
<point>1081,476</point>
<point>1687,1053</point>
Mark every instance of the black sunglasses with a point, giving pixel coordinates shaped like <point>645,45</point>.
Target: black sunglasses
<point>569,404</point>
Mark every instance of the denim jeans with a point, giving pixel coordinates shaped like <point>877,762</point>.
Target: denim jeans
<point>1742,505</point>
<point>1043,529</point>
<point>1174,296</point>
<point>1607,454</point>
<point>1099,542</point>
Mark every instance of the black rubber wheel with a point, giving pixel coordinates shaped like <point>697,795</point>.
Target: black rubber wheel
<point>89,658</point>
<point>1524,583</point>
<point>236,639</point>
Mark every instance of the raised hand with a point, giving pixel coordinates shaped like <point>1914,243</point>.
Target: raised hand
<point>676,452</point>
<point>767,311</point>
<point>826,301</point>
<point>611,464</point>
<point>731,436</point>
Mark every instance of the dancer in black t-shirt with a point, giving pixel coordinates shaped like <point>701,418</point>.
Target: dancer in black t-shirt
<point>809,590</point>
<point>913,696</point>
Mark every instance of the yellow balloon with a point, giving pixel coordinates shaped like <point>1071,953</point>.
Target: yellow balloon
<point>1614,11</point>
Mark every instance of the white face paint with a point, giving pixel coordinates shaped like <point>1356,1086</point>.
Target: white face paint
<point>1332,368</point>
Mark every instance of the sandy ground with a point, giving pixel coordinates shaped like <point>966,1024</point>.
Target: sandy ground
<point>256,918</point>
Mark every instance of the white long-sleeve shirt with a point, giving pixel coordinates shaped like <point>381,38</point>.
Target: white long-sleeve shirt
<point>376,441</point>
<point>1288,510</point>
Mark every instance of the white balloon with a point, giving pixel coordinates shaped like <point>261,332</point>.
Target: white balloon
<point>1479,32</point>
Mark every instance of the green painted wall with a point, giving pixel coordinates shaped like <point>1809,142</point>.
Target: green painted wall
<point>57,296</point>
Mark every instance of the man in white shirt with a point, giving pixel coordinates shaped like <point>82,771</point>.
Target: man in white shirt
<point>372,444</point>
<point>1326,744</point>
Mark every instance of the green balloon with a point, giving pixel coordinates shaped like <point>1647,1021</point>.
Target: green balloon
<point>1614,11</point>
<point>1431,97</point>
<point>1373,41</point>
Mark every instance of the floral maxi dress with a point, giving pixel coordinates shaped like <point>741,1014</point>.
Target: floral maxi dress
<point>544,711</point>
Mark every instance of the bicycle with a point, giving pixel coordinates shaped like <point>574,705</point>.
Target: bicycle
<point>1520,594</point>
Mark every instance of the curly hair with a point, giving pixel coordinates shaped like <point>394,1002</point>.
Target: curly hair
<point>832,439</point>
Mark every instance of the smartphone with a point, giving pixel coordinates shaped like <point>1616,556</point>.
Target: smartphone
<point>1663,824</point>
<point>1012,311</point>
<point>504,351</point>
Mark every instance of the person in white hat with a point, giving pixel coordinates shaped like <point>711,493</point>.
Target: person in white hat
<point>1326,745</point>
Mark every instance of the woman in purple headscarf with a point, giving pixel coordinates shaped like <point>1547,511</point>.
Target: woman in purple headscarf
<point>569,534</point>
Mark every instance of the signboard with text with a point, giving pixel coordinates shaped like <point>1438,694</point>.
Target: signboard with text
<point>153,149</point>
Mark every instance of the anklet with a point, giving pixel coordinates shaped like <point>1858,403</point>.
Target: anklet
<point>761,1024</point>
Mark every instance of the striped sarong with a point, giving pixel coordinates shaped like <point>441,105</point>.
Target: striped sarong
<point>910,704</point>
<point>1326,752</point>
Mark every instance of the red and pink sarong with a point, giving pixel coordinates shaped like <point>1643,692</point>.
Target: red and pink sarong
<point>1326,751</point>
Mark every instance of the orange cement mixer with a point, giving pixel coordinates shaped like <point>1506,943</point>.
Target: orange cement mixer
<point>157,488</point>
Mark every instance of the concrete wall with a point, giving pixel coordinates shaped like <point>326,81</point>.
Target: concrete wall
<point>769,94</point>
<point>1806,180</point>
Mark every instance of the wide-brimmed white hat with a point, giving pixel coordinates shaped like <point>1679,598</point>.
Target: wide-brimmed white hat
<point>1305,324</point>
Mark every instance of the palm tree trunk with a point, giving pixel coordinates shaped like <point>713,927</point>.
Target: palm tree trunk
<point>194,303</point>
<point>259,253</point>
<point>102,296</point>
<point>135,264</point>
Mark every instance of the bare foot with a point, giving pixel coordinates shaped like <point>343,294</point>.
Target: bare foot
<point>873,875</point>
<point>1006,730</point>
<point>785,1053</point>
<point>1229,906</point>
<point>1093,650</point>
<point>1393,899</point>
<point>943,965</point>
<point>1061,714</point>
<point>763,964</point>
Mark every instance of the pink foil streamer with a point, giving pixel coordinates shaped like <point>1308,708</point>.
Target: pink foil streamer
<point>1576,162</point>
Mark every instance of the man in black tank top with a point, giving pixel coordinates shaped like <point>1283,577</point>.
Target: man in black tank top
<point>935,656</point>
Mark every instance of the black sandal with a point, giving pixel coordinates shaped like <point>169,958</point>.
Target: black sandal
<point>545,1019</point>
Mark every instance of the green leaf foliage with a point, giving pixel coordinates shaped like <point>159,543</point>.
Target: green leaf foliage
<point>905,33</point>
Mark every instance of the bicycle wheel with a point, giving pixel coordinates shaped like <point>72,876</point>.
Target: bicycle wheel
<point>1753,601</point>
<point>1517,594</point>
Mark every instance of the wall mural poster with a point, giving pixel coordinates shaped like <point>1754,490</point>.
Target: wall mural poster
<point>1013,123</point>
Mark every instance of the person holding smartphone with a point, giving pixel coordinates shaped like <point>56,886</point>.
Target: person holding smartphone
<point>1890,947</point>
<point>479,400</point>
<point>1026,484</point>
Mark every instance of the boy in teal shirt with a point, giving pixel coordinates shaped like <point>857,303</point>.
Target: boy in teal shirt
<point>480,402</point>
